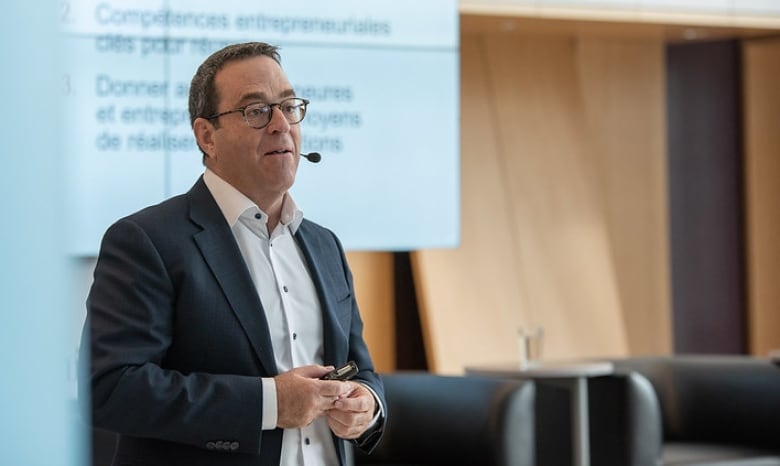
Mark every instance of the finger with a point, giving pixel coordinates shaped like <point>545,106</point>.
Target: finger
<point>339,418</point>
<point>357,404</point>
<point>334,388</point>
<point>313,371</point>
<point>345,425</point>
<point>338,428</point>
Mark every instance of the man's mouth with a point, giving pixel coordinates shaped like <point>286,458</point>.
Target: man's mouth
<point>278,151</point>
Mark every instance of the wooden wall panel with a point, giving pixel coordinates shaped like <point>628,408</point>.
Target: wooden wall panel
<point>566,269</point>
<point>624,92</point>
<point>762,171</point>
<point>470,299</point>
<point>538,225</point>
<point>373,276</point>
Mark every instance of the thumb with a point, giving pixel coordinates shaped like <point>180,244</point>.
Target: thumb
<point>314,371</point>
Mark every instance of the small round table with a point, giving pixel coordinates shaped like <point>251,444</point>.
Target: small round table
<point>574,375</point>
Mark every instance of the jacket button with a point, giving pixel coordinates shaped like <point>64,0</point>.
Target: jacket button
<point>210,446</point>
<point>234,446</point>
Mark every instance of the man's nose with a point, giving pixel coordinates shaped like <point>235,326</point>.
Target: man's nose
<point>278,121</point>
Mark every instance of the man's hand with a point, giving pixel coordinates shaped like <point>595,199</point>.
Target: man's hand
<point>352,413</point>
<point>301,397</point>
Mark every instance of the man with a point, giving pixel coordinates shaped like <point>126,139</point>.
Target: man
<point>213,315</point>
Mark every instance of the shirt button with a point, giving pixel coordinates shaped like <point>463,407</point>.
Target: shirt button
<point>295,336</point>
<point>258,216</point>
<point>307,441</point>
<point>285,288</point>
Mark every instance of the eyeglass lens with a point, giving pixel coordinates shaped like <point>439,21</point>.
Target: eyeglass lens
<point>259,115</point>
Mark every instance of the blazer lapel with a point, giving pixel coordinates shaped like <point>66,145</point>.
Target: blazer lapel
<point>322,257</point>
<point>219,249</point>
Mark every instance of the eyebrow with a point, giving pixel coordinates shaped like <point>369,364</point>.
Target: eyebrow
<point>263,97</point>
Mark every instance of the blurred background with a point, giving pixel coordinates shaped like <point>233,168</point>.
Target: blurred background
<point>610,170</point>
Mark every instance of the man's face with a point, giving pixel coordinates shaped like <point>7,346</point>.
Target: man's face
<point>261,163</point>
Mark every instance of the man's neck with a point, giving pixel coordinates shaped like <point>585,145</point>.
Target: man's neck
<point>272,206</point>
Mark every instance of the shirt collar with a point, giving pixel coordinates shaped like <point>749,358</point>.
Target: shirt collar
<point>233,203</point>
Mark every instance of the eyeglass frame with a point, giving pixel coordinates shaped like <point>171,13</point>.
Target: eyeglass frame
<point>270,112</point>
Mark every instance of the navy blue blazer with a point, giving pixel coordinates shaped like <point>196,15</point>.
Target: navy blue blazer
<point>177,338</point>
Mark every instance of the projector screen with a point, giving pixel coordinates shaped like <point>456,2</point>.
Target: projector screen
<point>373,71</point>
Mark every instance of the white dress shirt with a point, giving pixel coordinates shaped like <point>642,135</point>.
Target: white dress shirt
<point>291,307</point>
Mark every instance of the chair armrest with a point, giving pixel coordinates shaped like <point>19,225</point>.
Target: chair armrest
<point>445,420</point>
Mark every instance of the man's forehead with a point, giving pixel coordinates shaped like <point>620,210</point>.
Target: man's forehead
<point>260,67</point>
<point>253,78</point>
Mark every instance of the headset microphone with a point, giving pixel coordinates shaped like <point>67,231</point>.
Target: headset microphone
<point>313,157</point>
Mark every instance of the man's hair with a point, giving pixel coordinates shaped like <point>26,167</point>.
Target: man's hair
<point>203,94</point>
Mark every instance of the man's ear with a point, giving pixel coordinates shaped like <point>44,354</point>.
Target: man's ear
<point>204,135</point>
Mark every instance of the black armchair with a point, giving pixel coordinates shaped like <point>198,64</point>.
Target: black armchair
<point>448,420</point>
<point>716,410</point>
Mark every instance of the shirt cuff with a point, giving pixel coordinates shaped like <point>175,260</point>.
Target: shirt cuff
<point>270,409</point>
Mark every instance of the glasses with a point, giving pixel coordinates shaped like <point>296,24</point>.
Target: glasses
<point>259,115</point>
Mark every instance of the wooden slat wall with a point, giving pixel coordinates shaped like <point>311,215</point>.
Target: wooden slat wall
<point>563,204</point>
<point>761,62</point>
